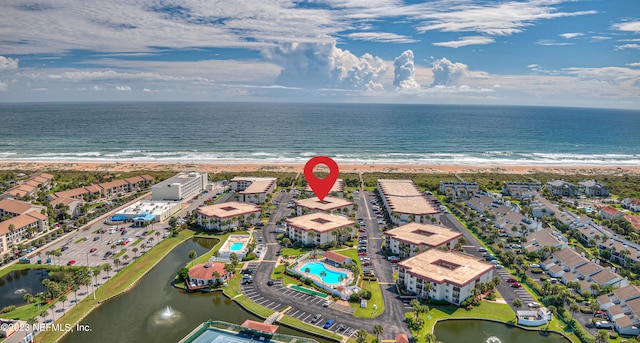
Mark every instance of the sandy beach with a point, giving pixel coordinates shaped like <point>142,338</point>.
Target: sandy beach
<point>211,167</point>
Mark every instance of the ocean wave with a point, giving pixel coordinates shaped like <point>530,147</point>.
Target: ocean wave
<point>440,158</point>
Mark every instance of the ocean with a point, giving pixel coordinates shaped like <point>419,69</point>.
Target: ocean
<point>356,133</point>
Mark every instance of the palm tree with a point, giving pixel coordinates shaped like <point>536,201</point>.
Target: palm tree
<point>135,252</point>
<point>74,288</point>
<point>125,257</point>
<point>378,330</point>
<point>143,246</point>
<point>63,298</point>
<point>107,268</point>
<point>28,297</point>
<point>43,315</point>
<point>322,275</point>
<point>361,336</point>
<point>96,272</point>
<point>116,261</point>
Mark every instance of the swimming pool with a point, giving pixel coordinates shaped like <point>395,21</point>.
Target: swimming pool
<point>315,268</point>
<point>236,246</point>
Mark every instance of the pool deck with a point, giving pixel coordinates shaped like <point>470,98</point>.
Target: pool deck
<point>317,278</point>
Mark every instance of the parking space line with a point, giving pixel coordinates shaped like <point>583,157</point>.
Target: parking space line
<point>305,318</point>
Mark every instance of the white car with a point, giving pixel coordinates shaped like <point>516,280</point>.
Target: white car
<point>603,324</point>
<point>533,305</point>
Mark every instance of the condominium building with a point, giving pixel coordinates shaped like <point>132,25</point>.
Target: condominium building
<point>253,189</point>
<point>520,189</point>
<point>183,186</point>
<point>16,229</point>
<point>593,188</point>
<point>562,188</point>
<point>228,215</point>
<point>413,238</point>
<point>329,204</point>
<point>404,201</point>
<point>452,275</point>
<point>318,228</point>
<point>463,190</point>
<point>337,190</point>
<point>623,309</point>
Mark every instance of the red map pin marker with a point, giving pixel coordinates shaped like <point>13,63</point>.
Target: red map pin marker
<point>321,187</point>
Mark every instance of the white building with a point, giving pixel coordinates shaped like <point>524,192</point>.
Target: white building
<point>309,205</point>
<point>183,186</point>
<point>16,229</point>
<point>623,309</point>
<point>418,238</point>
<point>452,276</point>
<point>228,215</point>
<point>253,189</point>
<point>463,190</point>
<point>337,190</point>
<point>404,201</point>
<point>160,210</point>
<point>317,228</point>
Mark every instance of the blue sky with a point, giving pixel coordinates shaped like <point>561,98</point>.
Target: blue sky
<point>528,52</point>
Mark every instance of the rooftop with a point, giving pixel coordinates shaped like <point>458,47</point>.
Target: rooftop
<point>320,222</point>
<point>328,204</point>
<point>204,271</point>
<point>14,206</point>
<point>258,184</point>
<point>404,197</point>
<point>338,187</point>
<point>180,178</point>
<point>423,234</point>
<point>440,266</point>
<point>228,209</point>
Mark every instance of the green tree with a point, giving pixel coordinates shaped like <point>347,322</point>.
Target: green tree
<point>602,336</point>
<point>192,255</point>
<point>517,303</point>
<point>378,330</point>
<point>28,298</point>
<point>361,336</point>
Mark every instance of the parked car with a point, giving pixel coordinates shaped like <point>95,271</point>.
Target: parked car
<point>481,249</point>
<point>270,283</point>
<point>394,259</point>
<point>96,238</point>
<point>326,303</point>
<point>64,248</point>
<point>511,280</point>
<point>93,250</point>
<point>328,324</point>
<point>533,305</point>
<point>603,324</point>
<point>516,285</point>
<point>316,318</point>
<point>71,263</point>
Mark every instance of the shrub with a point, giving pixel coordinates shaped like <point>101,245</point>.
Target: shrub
<point>250,257</point>
<point>613,335</point>
<point>354,297</point>
<point>544,278</point>
<point>8,309</point>
<point>536,270</point>
<point>586,309</point>
<point>467,302</point>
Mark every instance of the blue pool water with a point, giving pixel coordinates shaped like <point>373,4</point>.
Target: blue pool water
<point>315,268</point>
<point>236,246</point>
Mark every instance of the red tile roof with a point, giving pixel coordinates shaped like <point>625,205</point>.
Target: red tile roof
<point>334,256</point>
<point>402,338</point>
<point>258,326</point>
<point>205,271</point>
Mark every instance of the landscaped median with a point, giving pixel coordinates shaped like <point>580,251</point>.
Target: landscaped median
<point>121,282</point>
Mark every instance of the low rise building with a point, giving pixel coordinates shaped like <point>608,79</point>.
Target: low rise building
<point>319,228</point>
<point>413,238</point>
<point>329,204</point>
<point>534,317</point>
<point>228,215</point>
<point>158,210</point>
<point>543,238</point>
<point>404,201</point>
<point>623,309</point>
<point>207,274</point>
<point>16,229</point>
<point>593,188</point>
<point>568,265</point>
<point>562,188</point>
<point>337,190</point>
<point>608,212</point>
<point>72,206</point>
<point>182,186</point>
<point>253,189</point>
<point>519,190</point>
<point>452,276</point>
<point>12,208</point>
<point>455,189</point>
<point>336,259</point>
<point>632,204</point>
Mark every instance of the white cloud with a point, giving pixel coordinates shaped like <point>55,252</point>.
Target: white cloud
<point>611,75</point>
<point>323,65</point>
<point>633,26</point>
<point>464,41</point>
<point>109,74</point>
<point>628,46</point>
<point>383,37</point>
<point>123,88</point>
<point>41,89</point>
<point>148,90</point>
<point>97,88</point>
<point>571,35</point>
<point>8,64</point>
<point>404,71</point>
<point>549,42</point>
<point>599,38</point>
<point>492,18</point>
<point>447,73</point>
<point>634,64</point>
<point>3,86</point>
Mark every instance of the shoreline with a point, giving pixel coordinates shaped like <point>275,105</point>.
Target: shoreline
<point>345,167</point>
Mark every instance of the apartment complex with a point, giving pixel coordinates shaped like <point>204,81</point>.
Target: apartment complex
<point>413,238</point>
<point>545,238</point>
<point>15,229</point>
<point>507,216</point>
<point>30,187</point>
<point>404,201</point>
<point>106,189</point>
<point>623,309</point>
<point>228,215</point>
<point>337,190</point>
<point>329,204</point>
<point>253,189</point>
<point>183,186</point>
<point>463,190</point>
<point>319,228</point>
<point>519,190</point>
<point>452,275</point>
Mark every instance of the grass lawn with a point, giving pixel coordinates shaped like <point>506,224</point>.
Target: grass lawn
<point>29,311</point>
<point>81,240</point>
<point>279,274</point>
<point>376,299</point>
<point>136,242</point>
<point>294,251</point>
<point>118,283</point>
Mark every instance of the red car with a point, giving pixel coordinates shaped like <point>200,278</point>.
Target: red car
<point>71,263</point>
<point>515,285</point>
<point>394,260</point>
<point>93,250</point>
<point>362,229</point>
<point>362,254</point>
<point>511,280</point>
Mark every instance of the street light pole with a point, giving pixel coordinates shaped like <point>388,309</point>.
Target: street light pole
<point>93,290</point>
